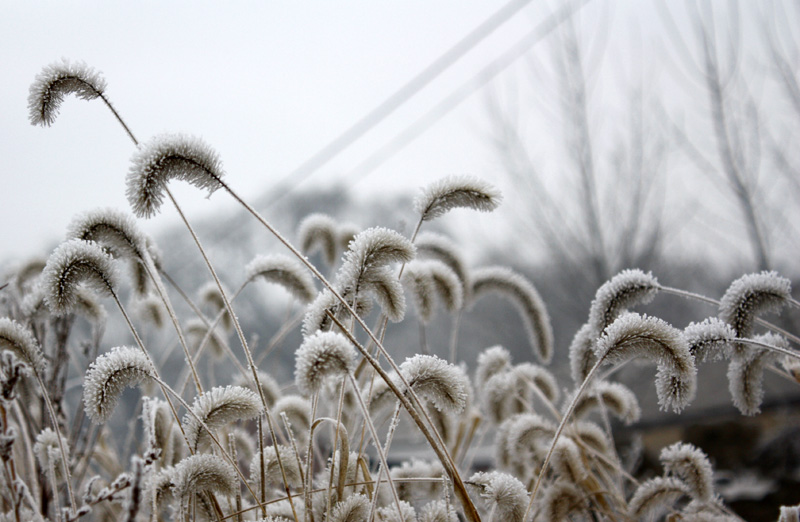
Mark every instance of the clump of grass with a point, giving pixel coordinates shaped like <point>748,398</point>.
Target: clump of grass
<point>316,445</point>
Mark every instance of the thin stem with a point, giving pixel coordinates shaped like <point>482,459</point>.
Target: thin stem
<point>458,485</point>
<point>377,442</point>
<point>242,339</point>
<point>560,429</point>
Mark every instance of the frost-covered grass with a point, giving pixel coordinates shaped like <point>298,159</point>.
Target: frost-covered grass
<point>318,446</point>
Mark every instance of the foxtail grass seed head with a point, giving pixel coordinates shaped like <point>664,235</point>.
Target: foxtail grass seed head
<point>506,282</point>
<point>203,473</point>
<point>526,431</point>
<point>19,340</point>
<point>390,514</point>
<point>453,192</point>
<point>581,353</point>
<point>710,340</point>
<point>567,461</point>
<point>112,229</point>
<point>388,292</point>
<point>322,356</point>
<point>372,250</point>
<point>436,380</point>
<point>196,330</point>
<point>108,376</point>
<point>438,511</point>
<point>318,232</point>
<point>285,271</point>
<point>627,289</point>
<point>618,398</point>
<point>297,410</point>
<point>789,514</point>
<point>528,375</point>
<point>691,465</point>
<point>270,388</point>
<point>218,407</point>
<point>210,295</point>
<point>504,495</point>
<point>294,476</point>
<point>447,285</point>
<point>439,247</point>
<point>491,361</point>
<point>164,158</point>
<point>150,308</point>
<point>419,280</point>
<point>48,452</point>
<point>750,296</point>
<point>353,509</point>
<point>655,496</point>
<point>74,264</point>
<point>561,500</point>
<point>635,336</point>
<point>55,82</point>
<point>746,373</point>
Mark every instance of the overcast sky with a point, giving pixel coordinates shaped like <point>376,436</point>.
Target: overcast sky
<point>267,84</point>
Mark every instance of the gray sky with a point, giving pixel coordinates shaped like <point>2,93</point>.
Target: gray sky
<point>267,84</point>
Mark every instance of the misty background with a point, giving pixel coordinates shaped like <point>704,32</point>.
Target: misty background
<point>645,134</point>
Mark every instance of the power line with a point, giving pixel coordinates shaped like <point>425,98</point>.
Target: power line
<point>398,98</point>
<point>455,98</point>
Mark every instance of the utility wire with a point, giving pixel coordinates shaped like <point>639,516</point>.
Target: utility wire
<point>398,98</point>
<point>455,98</point>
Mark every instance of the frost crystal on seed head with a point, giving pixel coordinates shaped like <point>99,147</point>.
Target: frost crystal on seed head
<point>55,82</point>
<point>456,192</point>
<point>200,473</point>
<point>632,335</point>
<point>284,271</point>
<point>112,229</point>
<point>624,290</point>
<point>20,341</point>
<point>218,407</point>
<point>438,381</point>
<point>108,376</point>
<point>750,296</point>
<point>710,340</point>
<point>167,157</point>
<point>71,265</point>
<point>318,232</point>
<point>321,356</point>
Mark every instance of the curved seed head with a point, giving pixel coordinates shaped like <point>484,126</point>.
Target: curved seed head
<point>318,232</point>
<point>750,296</point>
<point>632,335</point>
<point>491,361</point>
<point>453,192</point>
<point>692,466</point>
<point>285,271</point>
<point>513,286</point>
<point>112,229</point>
<point>55,82</point>
<point>164,158</point>
<point>322,355</point>
<point>18,340</point>
<point>74,264</point>
<point>108,376</point>
<point>201,473</point>
<point>710,340</point>
<point>443,384</point>
<point>655,496</point>
<point>627,289</point>
<point>503,494</point>
<point>218,407</point>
